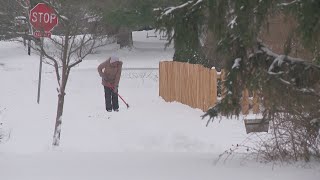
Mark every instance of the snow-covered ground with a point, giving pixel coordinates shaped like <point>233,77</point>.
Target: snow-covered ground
<point>152,139</point>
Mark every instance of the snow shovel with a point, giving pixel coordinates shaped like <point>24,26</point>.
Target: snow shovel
<point>120,97</point>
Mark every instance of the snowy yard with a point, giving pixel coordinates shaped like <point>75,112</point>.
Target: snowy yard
<point>150,140</point>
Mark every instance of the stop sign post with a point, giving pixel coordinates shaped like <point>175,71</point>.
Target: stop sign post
<point>43,19</point>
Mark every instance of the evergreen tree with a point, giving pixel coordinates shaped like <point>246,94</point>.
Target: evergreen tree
<point>182,25</point>
<point>308,16</point>
<point>10,27</point>
<point>289,87</point>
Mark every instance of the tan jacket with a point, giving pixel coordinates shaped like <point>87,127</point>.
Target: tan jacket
<point>110,72</point>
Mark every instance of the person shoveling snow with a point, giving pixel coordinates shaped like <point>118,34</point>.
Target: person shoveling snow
<point>110,72</point>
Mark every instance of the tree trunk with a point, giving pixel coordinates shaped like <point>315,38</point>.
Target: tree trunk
<point>57,129</point>
<point>124,38</point>
<point>63,84</point>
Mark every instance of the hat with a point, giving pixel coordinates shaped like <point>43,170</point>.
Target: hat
<point>113,59</point>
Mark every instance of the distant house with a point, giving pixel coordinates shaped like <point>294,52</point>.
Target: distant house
<point>21,24</point>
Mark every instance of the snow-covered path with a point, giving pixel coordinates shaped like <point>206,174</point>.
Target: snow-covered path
<point>150,140</point>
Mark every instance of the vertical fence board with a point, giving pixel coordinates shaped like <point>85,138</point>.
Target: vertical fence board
<point>223,88</point>
<point>161,86</point>
<point>170,81</point>
<point>255,108</point>
<point>213,88</point>
<point>245,102</point>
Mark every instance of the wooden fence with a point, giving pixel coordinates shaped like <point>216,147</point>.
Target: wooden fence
<point>190,84</point>
<point>195,86</point>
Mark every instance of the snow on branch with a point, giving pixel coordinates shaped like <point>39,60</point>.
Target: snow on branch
<point>233,22</point>
<point>289,3</point>
<point>198,2</point>
<point>171,10</point>
<point>279,60</point>
<point>64,17</point>
<point>287,59</point>
<point>236,63</point>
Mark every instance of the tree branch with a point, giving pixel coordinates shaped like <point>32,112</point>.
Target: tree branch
<point>287,59</point>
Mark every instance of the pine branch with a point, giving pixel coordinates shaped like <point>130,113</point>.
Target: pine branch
<point>287,59</point>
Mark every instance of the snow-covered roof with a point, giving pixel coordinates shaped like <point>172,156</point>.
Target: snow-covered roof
<point>20,17</point>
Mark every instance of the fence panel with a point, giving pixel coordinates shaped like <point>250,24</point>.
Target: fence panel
<point>190,84</point>
<point>196,86</point>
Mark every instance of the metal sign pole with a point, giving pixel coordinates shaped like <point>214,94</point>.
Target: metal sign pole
<point>40,70</point>
<point>43,18</point>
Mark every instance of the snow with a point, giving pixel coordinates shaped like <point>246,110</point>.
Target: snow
<point>152,139</point>
<point>290,3</point>
<point>20,18</point>
<point>236,63</point>
<point>63,17</point>
<point>233,22</point>
<point>198,2</point>
<point>315,121</point>
<point>278,62</point>
<point>171,9</point>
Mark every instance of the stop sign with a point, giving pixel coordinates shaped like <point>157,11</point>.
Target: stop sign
<point>43,17</point>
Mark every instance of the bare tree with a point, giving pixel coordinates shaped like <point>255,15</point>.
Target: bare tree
<point>78,37</point>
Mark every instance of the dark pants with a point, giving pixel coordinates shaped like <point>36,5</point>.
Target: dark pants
<point>111,98</point>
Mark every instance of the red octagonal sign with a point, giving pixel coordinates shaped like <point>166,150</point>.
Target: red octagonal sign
<point>43,17</point>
